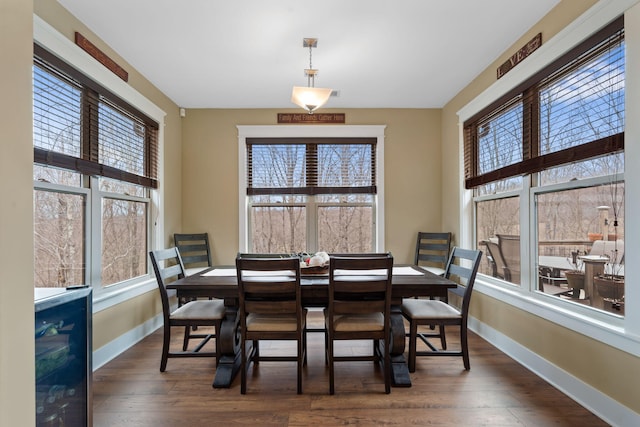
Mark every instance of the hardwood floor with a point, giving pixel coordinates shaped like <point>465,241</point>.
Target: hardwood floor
<point>131,391</point>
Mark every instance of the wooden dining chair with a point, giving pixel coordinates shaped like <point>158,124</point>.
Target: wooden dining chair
<point>432,251</point>
<point>462,266</point>
<point>195,251</point>
<point>168,266</point>
<point>270,308</point>
<point>359,307</point>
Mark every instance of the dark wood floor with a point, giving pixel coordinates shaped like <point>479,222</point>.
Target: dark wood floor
<point>131,391</point>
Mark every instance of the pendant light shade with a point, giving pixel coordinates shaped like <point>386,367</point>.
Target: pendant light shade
<point>310,98</point>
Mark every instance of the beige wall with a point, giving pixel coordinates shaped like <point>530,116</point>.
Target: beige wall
<point>412,173</point>
<point>113,322</point>
<point>613,372</point>
<point>17,375</point>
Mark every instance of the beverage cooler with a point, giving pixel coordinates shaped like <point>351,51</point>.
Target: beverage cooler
<point>63,357</point>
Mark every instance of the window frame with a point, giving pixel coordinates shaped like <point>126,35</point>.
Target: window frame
<point>623,334</point>
<point>57,44</point>
<point>309,131</point>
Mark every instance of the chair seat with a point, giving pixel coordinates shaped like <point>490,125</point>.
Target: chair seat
<point>358,322</point>
<point>273,322</point>
<point>428,309</point>
<point>200,310</point>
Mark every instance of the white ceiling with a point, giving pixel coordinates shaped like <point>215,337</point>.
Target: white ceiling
<point>249,54</point>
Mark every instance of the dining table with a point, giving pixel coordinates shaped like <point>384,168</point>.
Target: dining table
<point>221,282</point>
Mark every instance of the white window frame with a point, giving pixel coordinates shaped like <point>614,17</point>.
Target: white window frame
<point>50,39</point>
<point>623,334</point>
<point>309,131</point>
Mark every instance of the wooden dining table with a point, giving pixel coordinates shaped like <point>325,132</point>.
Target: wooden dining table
<point>221,282</point>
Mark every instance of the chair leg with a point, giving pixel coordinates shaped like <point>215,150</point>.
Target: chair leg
<point>165,347</point>
<point>243,367</point>
<point>185,340</point>
<point>301,357</point>
<point>465,346</point>
<point>443,338</point>
<point>413,336</point>
<point>387,366</point>
<point>331,378</point>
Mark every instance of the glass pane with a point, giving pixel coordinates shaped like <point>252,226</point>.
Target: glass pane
<point>345,229</point>
<point>345,198</point>
<point>56,113</point>
<point>276,166</point>
<point>584,105</point>
<point>121,140</point>
<point>59,226</point>
<point>576,223</point>
<point>121,187</point>
<point>124,240</point>
<point>500,139</point>
<point>280,229</point>
<point>498,233</point>
<point>56,176</point>
<point>344,165</point>
<point>602,166</point>
<point>498,187</point>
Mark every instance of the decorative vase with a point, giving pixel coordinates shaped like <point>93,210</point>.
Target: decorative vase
<point>610,287</point>
<point>575,279</point>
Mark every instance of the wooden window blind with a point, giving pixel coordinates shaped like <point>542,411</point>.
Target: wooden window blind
<point>570,111</point>
<point>309,166</point>
<point>80,126</point>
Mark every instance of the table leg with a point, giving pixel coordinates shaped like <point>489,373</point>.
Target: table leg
<point>399,368</point>
<point>229,342</point>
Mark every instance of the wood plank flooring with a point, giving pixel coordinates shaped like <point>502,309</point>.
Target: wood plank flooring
<point>131,391</point>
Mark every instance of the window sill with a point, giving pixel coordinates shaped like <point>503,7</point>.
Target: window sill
<point>107,299</point>
<point>599,326</point>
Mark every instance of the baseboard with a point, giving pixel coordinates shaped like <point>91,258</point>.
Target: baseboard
<point>608,409</point>
<point>125,341</point>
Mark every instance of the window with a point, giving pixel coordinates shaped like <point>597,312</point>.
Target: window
<point>546,161</point>
<point>310,194</point>
<point>95,167</point>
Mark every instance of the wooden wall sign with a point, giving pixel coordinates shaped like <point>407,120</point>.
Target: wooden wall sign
<point>311,118</point>
<point>517,57</point>
<point>101,57</point>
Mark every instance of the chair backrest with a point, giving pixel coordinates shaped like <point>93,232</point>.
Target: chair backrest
<point>493,250</point>
<point>432,249</point>
<point>194,249</point>
<point>268,286</point>
<point>354,288</point>
<point>462,267</point>
<point>609,248</point>
<point>167,266</point>
<point>510,250</point>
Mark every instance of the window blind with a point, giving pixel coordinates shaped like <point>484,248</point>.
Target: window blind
<point>309,166</point>
<point>82,127</point>
<point>570,111</point>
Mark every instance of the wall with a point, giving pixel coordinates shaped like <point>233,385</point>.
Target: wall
<point>17,376</point>
<point>111,323</point>
<point>412,173</point>
<point>608,370</point>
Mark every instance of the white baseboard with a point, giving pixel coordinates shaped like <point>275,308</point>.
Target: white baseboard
<point>125,341</point>
<point>608,409</point>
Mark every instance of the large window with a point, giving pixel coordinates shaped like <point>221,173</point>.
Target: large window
<point>311,194</point>
<point>546,164</point>
<point>95,166</point>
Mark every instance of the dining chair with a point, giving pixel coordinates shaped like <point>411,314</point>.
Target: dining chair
<point>462,265</point>
<point>270,308</point>
<point>168,266</point>
<point>496,260</point>
<point>195,251</point>
<point>359,307</point>
<point>510,249</point>
<point>432,251</point>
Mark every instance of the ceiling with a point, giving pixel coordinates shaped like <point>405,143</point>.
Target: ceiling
<point>249,54</point>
